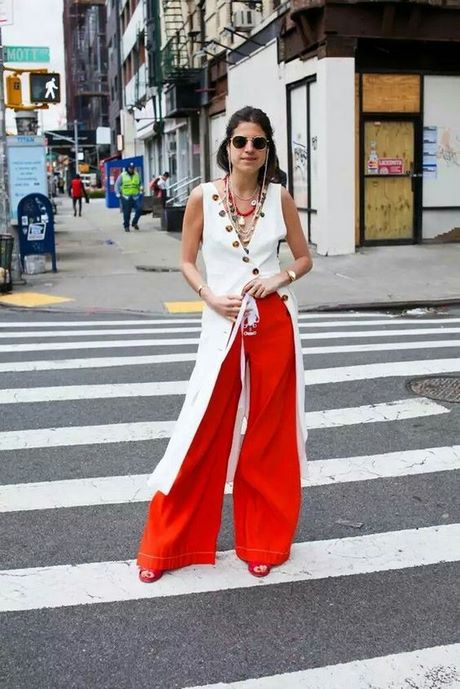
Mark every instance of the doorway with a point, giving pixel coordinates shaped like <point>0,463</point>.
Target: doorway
<point>391,180</point>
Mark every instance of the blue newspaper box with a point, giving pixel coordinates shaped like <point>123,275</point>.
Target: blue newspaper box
<point>114,168</point>
<point>36,227</point>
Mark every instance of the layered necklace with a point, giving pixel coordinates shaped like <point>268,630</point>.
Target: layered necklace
<point>238,218</point>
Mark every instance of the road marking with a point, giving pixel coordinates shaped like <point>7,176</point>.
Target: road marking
<point>114,490</point>
<point>99,324</point>
<point>116,344</point>
<point>169,319</point>
<point>31,299</point>
<point>108,331</point>
<point>103,582</point>
<point>163,331</point>
<point>154,430</point>
<point>342,374</point>
<point>109,362</point>
<point>320,376</point>
<point>428,667</point>
<point>96,362</point>
<point>183,306</point>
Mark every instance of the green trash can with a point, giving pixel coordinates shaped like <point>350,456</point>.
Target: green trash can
<point>6,257</point>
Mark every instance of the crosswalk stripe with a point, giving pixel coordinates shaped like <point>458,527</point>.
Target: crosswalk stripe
<point>110,362</point>
<point>411,669</point>
<point>111,490</point>
<point>116,344</point>
<point>96,362</point>
<point>382,370</point>
<point>169,319</point>
<point>108,331</point>
<point>103,582</point>
<point>170,330</point>
<point>154,430</point>
<point>59,393</point>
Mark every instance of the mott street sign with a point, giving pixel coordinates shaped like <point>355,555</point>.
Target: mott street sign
<point>26,53</point>
<point>45,88</point>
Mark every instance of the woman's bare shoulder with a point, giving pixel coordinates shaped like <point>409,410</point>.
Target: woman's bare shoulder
<point>219,184</point>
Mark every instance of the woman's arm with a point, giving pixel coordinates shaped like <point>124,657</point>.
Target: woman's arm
<point>192,232</point>
<point>302,264</point>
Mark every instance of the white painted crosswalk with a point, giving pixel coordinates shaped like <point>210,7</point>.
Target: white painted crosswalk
<point>382,461</point>
<point>312,377</point>
<point>104,582</point>
<point>155,430</point>
<point>110,490</point>
<point>419,669</point>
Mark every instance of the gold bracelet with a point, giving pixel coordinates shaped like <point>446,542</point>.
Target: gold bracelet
<point>291,275</point>
<point>200,289</point>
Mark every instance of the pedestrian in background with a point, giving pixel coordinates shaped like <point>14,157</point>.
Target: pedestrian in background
<point>249,365</point>
<point>129,189</point>
<point>159,187</point>
<point>77,191</point>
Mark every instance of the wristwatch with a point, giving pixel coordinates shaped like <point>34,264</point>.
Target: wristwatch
<point>292,276</point>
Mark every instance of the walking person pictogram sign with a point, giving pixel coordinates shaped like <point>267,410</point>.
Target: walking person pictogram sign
<point>45,87</point>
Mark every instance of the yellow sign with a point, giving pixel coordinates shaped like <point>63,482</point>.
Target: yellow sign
<point>84,167</point>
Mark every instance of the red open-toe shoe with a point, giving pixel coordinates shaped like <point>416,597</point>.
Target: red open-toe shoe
<point>252,569</point>
<point>148,576</point>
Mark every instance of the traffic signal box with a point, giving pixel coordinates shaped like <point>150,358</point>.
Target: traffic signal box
<point>45,87</point>
<point>13,91</point>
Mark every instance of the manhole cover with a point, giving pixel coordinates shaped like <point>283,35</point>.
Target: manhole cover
<point>437,388</point>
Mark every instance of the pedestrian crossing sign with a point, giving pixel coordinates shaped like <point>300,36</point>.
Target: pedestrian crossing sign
<point>45,87</point>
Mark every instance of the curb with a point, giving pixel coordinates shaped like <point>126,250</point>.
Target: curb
<point>376,305</point>
<point>324,308</point>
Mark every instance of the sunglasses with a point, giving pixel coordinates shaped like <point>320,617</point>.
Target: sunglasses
<point>259,142</point>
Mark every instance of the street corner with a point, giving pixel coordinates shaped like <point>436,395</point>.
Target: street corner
<point>183,306</point>
<point>31,299</point>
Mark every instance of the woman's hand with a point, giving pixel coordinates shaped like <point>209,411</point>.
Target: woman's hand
<point>262,287</point>
<point>227,306</point>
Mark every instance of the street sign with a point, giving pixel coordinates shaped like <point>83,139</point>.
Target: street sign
<point>6,12</point>
<point>27,168</point>
<point>26,53</point>
<point>86,137</point>
<point>45,88</point>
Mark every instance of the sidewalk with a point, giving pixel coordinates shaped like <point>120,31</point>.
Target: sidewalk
<point>102,268</point>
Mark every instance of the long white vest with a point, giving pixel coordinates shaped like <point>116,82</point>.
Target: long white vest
<point>228,269</point>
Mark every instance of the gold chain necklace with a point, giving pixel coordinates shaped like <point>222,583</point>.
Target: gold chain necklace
<point>244,233</point>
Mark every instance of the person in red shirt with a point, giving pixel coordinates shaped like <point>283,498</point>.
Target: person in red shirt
<point>77,192</point>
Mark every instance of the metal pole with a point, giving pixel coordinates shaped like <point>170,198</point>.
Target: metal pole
<point>5,218</point>
<point>75,134</point>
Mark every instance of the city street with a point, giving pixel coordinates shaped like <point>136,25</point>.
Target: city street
<point>369,598</point>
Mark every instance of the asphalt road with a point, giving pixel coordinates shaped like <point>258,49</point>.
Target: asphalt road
<point>375,569</point>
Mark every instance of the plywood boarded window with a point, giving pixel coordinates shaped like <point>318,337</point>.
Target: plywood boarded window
<point>391,93</point>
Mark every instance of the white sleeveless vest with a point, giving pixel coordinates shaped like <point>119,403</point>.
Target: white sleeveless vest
<point>228,269</point>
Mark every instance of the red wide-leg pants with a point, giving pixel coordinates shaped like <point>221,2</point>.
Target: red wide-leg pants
<point>182,527</point>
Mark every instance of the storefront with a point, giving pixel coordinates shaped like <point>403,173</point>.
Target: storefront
<point>377,125</point>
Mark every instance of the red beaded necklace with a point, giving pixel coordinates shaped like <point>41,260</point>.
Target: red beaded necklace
<point>233,203</point>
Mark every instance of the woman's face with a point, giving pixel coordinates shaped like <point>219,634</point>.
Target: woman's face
<point>247,159</point>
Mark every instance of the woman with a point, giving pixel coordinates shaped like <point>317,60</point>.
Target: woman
<point>249,365</point>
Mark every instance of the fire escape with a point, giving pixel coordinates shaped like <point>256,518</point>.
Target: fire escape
<point>182,80</point>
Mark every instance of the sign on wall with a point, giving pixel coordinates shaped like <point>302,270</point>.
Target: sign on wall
<point>441,145</point>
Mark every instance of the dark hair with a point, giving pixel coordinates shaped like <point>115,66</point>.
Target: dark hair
<point>257,116</point>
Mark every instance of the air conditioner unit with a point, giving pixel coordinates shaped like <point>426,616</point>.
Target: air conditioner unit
<point>244,20</point>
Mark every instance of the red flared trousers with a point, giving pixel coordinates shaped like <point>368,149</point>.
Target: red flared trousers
<point>182,527</point>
